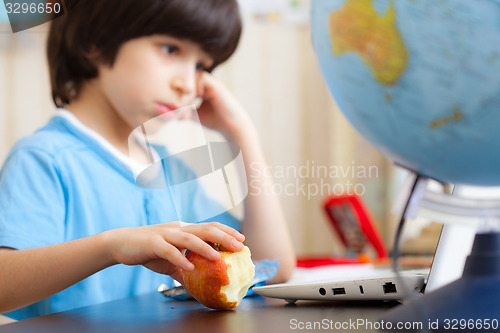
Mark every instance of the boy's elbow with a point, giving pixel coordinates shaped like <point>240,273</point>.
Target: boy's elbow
<point>285,270</point>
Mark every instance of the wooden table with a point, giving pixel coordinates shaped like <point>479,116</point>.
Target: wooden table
<point>155,313</point>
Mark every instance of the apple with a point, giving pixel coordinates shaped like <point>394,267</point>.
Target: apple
<point>220,284</point>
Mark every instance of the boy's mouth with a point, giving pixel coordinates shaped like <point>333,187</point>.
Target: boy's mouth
<point>164,108</point>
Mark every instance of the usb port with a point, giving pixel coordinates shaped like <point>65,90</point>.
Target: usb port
<point>389,288</point>
<point>338,291</point>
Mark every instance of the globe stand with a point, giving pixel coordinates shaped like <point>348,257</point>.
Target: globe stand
<point>470,303</point>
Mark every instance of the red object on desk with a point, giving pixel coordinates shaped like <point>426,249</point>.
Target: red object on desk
<point>316,262</point>
<point>354,225</point>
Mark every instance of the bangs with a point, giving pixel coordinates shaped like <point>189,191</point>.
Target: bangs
<point>214,25</point>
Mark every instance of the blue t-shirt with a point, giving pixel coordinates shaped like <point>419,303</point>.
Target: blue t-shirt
<point>60,184</point>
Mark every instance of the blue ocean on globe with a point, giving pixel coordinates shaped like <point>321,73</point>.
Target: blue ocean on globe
<point>420,79</point>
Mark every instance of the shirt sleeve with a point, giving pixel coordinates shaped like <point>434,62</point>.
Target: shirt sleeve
<point>32,205</point>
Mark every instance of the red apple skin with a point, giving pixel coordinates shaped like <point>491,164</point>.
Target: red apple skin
<point>205,281</point>
<point>210,281</point>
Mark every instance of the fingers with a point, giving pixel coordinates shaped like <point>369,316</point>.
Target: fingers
<point>176,237</point>
<point>169,252</point>
<point>173,224</point>
<point>217,233</point>
<point>187,240</point>
<point>206,227</point>
<point>228,230</point>
<point>177,275</point>
<point>208,85</point>
<point>200,85</point>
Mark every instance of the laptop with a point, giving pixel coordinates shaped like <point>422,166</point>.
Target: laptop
<point>365,282</point>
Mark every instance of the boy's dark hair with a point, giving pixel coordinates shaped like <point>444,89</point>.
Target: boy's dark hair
<point>104,25</point>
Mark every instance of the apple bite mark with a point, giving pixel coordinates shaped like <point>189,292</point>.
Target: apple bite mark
<point>220,284</point>
<point>240,271</point>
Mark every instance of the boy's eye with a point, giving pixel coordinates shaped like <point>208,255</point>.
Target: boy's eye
<point>169,48</point>
<point>201,67</point>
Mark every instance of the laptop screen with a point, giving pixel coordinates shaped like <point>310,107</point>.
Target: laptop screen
<point>455,244</point>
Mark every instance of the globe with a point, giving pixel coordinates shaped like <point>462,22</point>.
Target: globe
<point>420,79</point>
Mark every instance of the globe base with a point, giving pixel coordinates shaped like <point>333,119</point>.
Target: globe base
<point>469,304</point>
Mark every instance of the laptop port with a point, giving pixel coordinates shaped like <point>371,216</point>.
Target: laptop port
<point>322,291</point>
<point>389,288</point>
<point>361,289</point>
<point>338,291</point>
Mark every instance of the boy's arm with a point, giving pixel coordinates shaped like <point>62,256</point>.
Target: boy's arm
<point>30,275</point>
<point>264,225</point>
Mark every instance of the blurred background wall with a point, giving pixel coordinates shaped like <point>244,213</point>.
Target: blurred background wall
<point>311,149</point>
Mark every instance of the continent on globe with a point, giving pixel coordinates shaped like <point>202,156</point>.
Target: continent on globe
<point>357,27</point>
<point>454,118</point>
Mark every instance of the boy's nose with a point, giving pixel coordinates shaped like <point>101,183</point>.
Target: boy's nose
<point>183,84</point>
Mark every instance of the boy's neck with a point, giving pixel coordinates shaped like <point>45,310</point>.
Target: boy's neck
<point>94,111</point>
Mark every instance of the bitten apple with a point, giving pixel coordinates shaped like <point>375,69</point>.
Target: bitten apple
<point>220,284</point>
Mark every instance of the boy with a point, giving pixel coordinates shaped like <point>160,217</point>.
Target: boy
<point>70,210</point>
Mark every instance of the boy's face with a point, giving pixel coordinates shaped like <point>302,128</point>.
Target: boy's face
<point>151,76</point>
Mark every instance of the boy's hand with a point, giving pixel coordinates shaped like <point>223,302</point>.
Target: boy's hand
<point>220,110</point>
<point>161,247</point>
